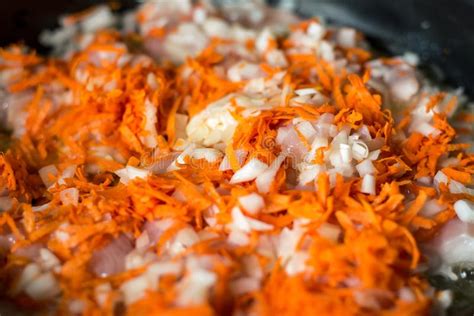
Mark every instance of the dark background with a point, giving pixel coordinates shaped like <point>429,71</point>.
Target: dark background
<point>440,31</point>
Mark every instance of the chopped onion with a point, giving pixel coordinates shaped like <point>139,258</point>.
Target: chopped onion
<point>368,184</point>
<point>455,242</point>
<point>194,288</point>
<point>252,203</point>
<point>465,210</point>
<point>210,154</point>
<point>346,153</point>
<point>110,259</point>
<point>48,175</point>
<point>306,91</point>
<point>346,37</point>
<point>48,259</point>
<point>290,142</point>
<point>297,263</point>
<point>238,238</point>
<point>130,173</point>
<point>306,129</point>
<point>365,167</point>
<point>360,150</point>
<point>265,179</point>
<point>29,273</point>
<point>69,196</point>
<point>249,171</point>
<point>43,287</point>
<point>239,220</point>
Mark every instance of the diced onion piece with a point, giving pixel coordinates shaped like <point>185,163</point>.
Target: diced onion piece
<point>297,263</point>
<point>135,289</point>
<point>365,167</point>
<point>264,181</point>
<point>426,129</point>
<point>465,210</point>
<point>69,196</point>
<point>258,225</point>
<point>346,37</point>
<point>210,154</point>
<point>368,184</point>
<point>110,259</point>
<point>47,175</point>
<point>306,91</point>
<point>346,153</point>
<point>252,203</point>
<point>360,150</point>
<point>43,287</point>
<point>194,288</point>
<point>239,220</point>
<point>238,238</point>
<point>29,273</point>
<point>129,173</point>
<point>249,171</point>
<point>48,259</point>
<point>374,155</point>
<point>306,129</point>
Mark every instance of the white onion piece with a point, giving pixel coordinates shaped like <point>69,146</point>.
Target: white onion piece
<point>48,260</point>
<point>265,180</point>
<point>43,287</point>
<point>150,125</point>
<point>238,238</point>
<point>290,142</point>
<point>29,273</point>
<point>360,150</point>
<point>374,155</point>
<point>431,208</point>
<point>346,153</point>
<point>239,221</point>
<point>130,173</point>
<point>368,184</point>
<point>365,167</point>
<point>297,263</point>
<point>306,129</point>
<point>47,175</point>
<point>404,87</point>
<point>210,154</point>
<point>346,37</point>
<point>194,288</point>
<point>69,196</point>
<point>455,243</point>
<point>249,171</point>
<point>252,203</point>
<point>157,228</point>
<point>110,260</point>
<point>306,91</point>
<point>465,210</point>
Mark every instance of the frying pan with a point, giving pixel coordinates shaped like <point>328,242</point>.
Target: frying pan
<point>441,32</point>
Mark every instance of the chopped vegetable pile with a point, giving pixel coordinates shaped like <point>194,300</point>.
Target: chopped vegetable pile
<point>182,159</point>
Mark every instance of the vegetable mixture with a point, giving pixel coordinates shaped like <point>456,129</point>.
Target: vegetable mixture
<point>183,159</point>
